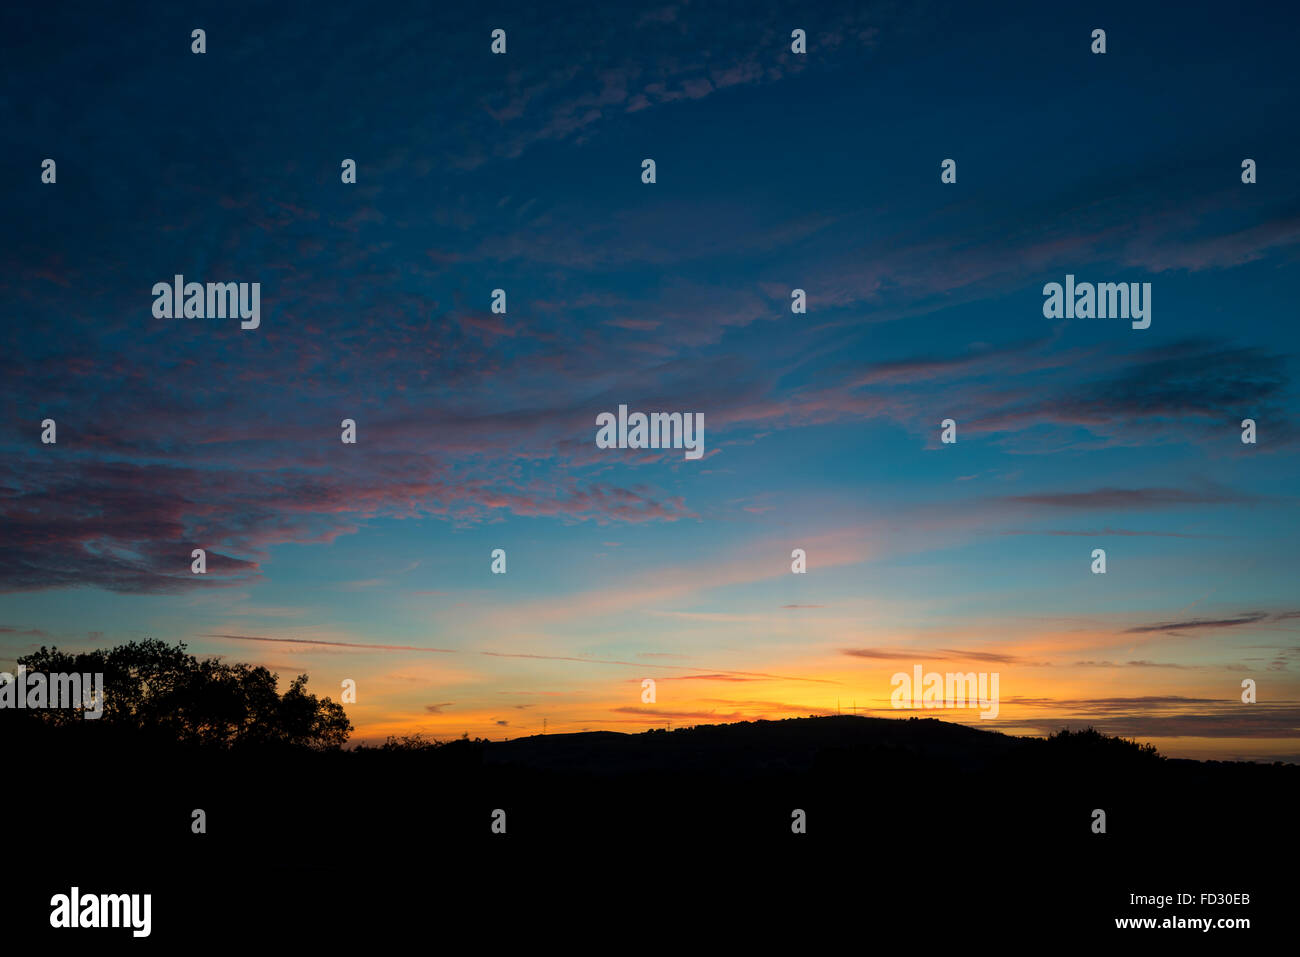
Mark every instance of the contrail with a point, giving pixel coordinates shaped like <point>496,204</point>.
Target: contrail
<point>501,654</point>
<point>337,644</point>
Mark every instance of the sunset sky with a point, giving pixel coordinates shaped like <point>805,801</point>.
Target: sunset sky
<point>477,431</point>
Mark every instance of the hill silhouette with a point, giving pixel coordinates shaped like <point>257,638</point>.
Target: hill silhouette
<point>916,798</point>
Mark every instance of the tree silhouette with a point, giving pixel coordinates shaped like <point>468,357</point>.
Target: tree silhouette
<point>1091,744</point>
<point>153,690</point>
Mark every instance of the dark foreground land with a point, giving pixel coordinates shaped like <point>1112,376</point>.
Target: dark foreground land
<point>939,833</point>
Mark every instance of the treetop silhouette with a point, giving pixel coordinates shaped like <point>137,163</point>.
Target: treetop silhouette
<point>157,691</point>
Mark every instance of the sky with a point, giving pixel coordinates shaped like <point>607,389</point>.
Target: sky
<point>477,430</point>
